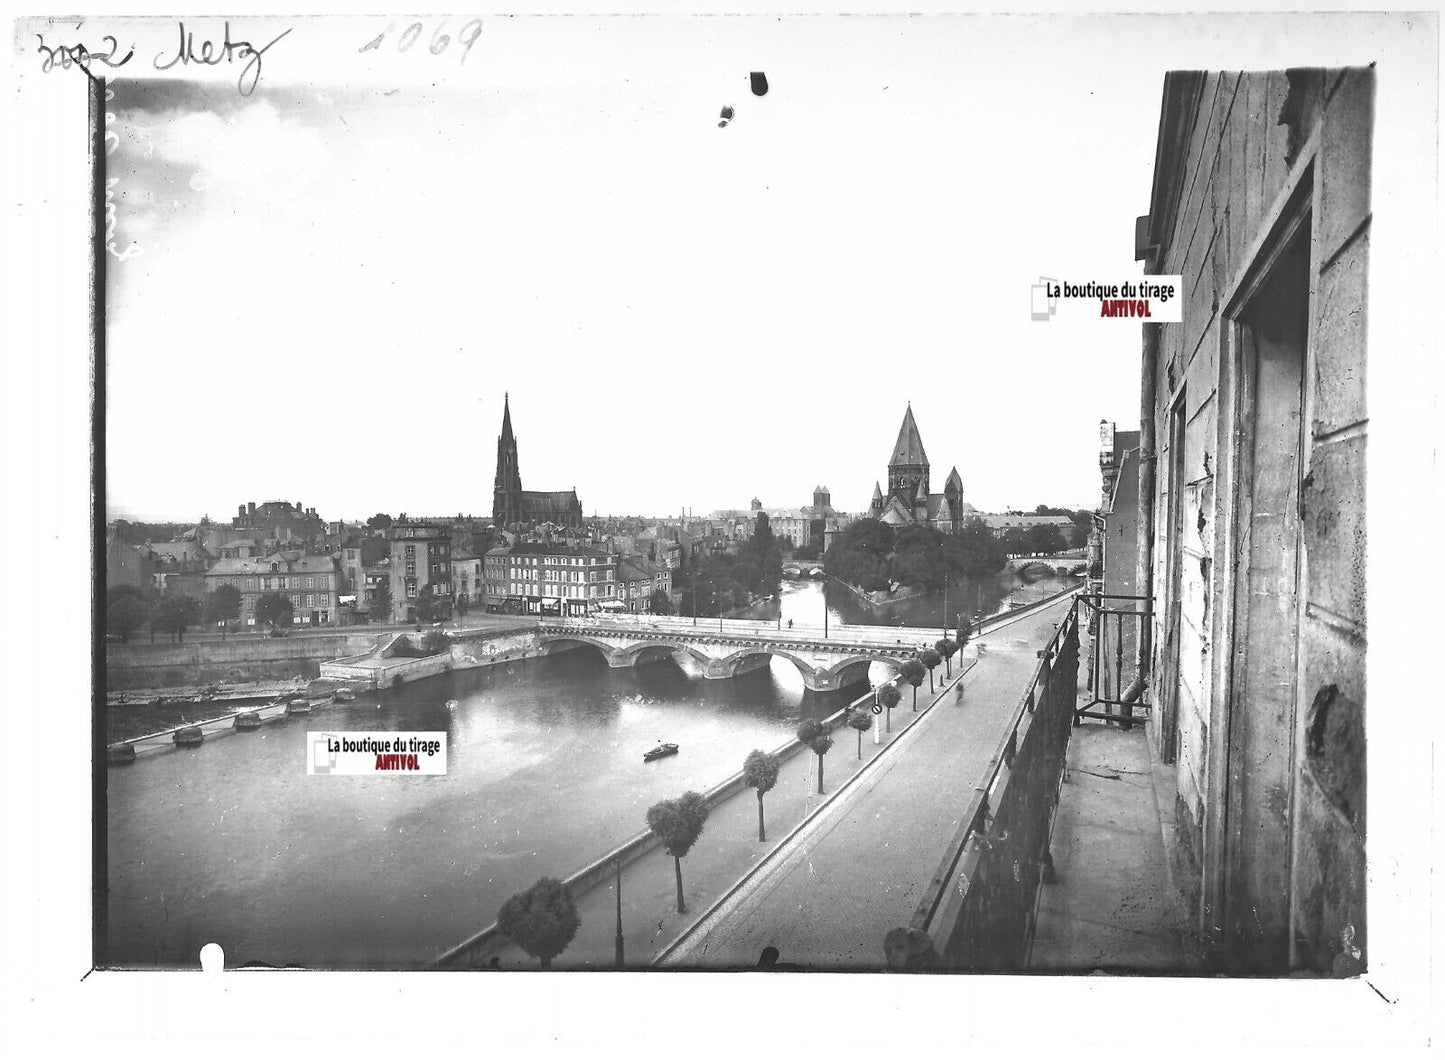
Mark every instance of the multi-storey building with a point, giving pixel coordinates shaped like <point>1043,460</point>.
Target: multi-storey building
<point>1252,534</point>
<point>278,522</point>
<point>541,579</point>
<point>467,584</point>
<point>312,583</point>
<point>421,557</point>
<point>637,580</point>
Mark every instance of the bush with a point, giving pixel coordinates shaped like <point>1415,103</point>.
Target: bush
<point>403,648</point>
<point>436,643</point>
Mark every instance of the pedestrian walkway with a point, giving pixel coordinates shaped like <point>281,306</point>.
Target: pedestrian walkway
<point>858,869</point>
<point>1111,906</point>
<point>729,849</point>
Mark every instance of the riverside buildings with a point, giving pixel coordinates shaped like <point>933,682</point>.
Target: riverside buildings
<point>311,583</point>
<point>543,579</point>
<point>1252,457</point>
<point>421,558</point>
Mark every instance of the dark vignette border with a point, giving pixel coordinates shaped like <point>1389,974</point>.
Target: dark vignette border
<point>98,837</point>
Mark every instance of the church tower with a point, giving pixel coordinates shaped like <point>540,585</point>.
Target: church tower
<point>507,490</point>
<point>908,467</point>
<point>953,497</point>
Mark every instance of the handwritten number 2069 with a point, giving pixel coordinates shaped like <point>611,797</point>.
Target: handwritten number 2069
<point>466,37</point>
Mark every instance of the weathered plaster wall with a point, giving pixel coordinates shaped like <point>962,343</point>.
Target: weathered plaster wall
<point>1236,164</point>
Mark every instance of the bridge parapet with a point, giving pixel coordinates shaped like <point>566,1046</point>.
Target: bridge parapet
<point>825,665</point>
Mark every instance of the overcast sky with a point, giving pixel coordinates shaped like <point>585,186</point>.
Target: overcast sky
<point>341,274</point>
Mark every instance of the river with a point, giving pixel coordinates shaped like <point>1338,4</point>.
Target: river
<point>233,843</point>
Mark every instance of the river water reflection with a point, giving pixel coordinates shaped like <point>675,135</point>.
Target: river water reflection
<point>232,843</point>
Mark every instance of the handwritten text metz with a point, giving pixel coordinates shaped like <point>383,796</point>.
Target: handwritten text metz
<point>187,51</point>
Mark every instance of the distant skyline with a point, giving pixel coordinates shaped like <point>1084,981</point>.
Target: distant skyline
<point>339,278</point>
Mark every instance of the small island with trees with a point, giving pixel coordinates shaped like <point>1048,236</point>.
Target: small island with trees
<point>873,557</point>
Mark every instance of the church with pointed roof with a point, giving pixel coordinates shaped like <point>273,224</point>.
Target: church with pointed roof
<point>908,501</point>
<point>511,504</point>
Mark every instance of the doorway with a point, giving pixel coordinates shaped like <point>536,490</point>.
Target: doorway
<point>1272,334</point>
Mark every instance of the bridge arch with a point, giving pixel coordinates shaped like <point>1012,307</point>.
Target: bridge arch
<point>655,651</point>
<point>556,644</point>
<point>854,670</point>
<point>729,665</point>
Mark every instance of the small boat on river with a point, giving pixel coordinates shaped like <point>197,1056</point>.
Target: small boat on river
<point>662,750</point>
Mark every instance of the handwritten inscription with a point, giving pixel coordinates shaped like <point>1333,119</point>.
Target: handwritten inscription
<point>212,54</point>
<point>67,55</point>
<point>208,53</point>
<point>466,37</point>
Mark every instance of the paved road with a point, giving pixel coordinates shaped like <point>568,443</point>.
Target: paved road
<point>859,867</point>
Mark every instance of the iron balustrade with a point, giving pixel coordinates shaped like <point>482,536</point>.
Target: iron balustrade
<point>1116,623</point>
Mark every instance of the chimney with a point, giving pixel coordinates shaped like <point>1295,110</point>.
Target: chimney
<point>251,509</point>
<point>240,511</point>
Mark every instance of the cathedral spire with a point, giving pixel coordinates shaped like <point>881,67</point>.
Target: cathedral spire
<point>908,450</point>
<point>506,416</point>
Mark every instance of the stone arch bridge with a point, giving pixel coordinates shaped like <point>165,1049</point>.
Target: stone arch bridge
<point>825,664</point>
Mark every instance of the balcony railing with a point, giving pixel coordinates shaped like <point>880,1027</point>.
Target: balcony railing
<point>1116,623</point>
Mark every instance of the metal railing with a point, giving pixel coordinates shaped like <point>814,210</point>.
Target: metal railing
<point>1115,623</point>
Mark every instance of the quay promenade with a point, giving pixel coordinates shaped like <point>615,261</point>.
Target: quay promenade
<point>859,867</point>
<point>929,777</point>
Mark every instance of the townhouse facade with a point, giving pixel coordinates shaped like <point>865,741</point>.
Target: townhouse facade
<point>421,558</point>
<point>311,583</point>
<point>543,579</point>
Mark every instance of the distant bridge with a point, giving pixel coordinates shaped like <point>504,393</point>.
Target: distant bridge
<point>727,648</point>
<point>803,568</point>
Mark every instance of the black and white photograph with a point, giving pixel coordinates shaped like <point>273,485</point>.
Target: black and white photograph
<point>889,499</point>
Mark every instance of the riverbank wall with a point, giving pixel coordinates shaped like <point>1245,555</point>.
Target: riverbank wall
<point>241,659</point>
<point>468,650</point>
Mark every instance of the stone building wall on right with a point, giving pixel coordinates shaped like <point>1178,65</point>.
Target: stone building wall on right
<point>1261,203</point>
